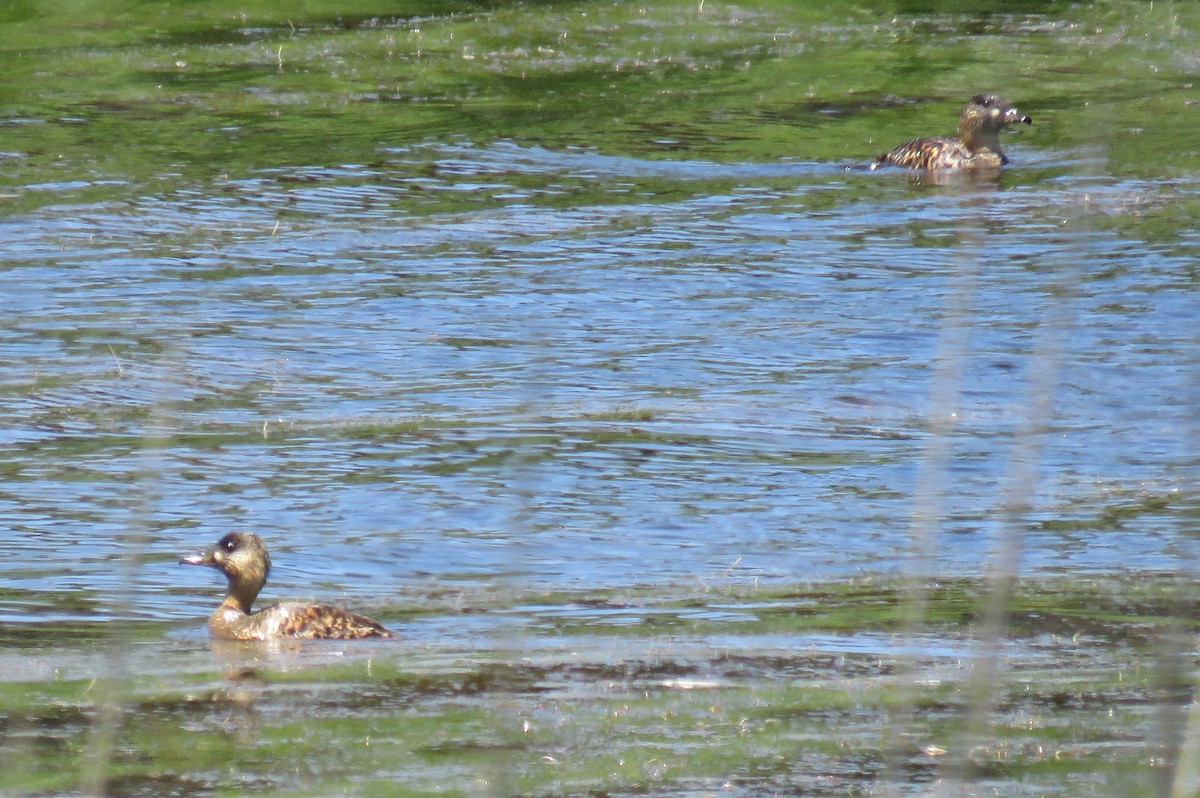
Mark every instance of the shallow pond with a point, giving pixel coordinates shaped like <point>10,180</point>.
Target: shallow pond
<point>576,342</point>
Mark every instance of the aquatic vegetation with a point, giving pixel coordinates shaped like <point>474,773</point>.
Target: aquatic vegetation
<point>583,329</point>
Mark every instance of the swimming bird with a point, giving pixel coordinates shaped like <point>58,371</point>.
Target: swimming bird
<point>243,558</point>
<point>977,145</point>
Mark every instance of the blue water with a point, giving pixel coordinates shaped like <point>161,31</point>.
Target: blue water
<point>444,369</point>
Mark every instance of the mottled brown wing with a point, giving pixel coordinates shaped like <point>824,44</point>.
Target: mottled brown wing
<point>321,621</point>
<point>933,152</point>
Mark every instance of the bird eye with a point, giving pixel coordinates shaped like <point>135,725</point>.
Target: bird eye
<point>229,543</point>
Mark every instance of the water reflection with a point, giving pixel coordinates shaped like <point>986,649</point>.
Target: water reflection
<point>242,661</point>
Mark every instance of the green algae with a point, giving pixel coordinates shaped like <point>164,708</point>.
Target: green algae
<point>653,689</point>
<point>644,705</point>
<point>218,90</point>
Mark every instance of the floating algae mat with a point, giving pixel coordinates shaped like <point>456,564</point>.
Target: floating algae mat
<point>575,342</point>
<point>815,689</point>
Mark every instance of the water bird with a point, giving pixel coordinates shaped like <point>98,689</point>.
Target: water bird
<point>977,145</point>
<point>243,558</point>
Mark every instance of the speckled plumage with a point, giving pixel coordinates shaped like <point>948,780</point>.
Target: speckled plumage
<point>977,145</point>
<point>243,558</point>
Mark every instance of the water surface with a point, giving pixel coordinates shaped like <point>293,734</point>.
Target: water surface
<point>514,325</point>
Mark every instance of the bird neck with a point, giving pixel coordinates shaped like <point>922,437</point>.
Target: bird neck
<point>977,136</point>
<point>241,595</point>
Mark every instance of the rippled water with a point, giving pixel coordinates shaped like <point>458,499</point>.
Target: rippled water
<point>576,343</point>
<point>700,369</point>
